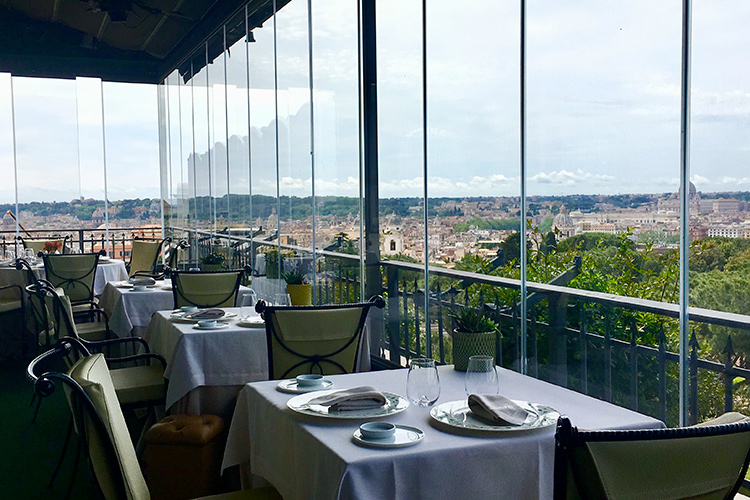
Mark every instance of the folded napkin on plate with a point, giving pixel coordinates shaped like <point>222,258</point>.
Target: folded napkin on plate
<point>142,281</point>
<point>356,398</point>
<point>206,314</point>
<point>497,409</point>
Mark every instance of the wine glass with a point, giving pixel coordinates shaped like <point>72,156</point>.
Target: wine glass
<point>283,299</point>
<point>481,376</point>
<point>247,304</point>
<point>423,382</point>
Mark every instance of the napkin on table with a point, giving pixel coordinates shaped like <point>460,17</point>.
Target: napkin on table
<point>497,409</point>
<point>142,281</point>
<point>356,398</point>
<point>206,314</point>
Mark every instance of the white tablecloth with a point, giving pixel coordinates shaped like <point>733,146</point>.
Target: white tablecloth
<point>130,312</point>
<point>223,359</point>
<point>112,270</point>
<point>309,457</point>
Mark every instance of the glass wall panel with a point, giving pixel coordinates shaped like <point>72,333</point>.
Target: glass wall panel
<point>294,146</point>
<point>401,172</point>
<point>7,170</point>
<point>719,220</point>
<point>338,221</point>
<point>473,167</point>
<point>603,164</point>
<point>203,168</point>
<point>217,119</point>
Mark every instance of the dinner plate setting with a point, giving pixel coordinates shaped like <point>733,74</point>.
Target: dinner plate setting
<point>301,404</point>
<point>252,322</point>
<point>215,326</point>
<point>185,316</point>
<point>403,436</point>
<point>292,387</point>
<point>457,415</point>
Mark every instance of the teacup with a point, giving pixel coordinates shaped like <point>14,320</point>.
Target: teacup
<point>309,380</point>
<point>377,430</point>
<point>139,288</point>
<point>207,323</point>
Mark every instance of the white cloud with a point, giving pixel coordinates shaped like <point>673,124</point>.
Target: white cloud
<point>571,178</point>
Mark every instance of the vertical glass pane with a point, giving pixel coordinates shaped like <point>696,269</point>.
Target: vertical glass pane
<point>337,165</point>
<point>720,248</point>
<point>400,142</point>
<point>603,110</point>
<point>294,147</point>
<point>473,170</point>
<point>7,189</point>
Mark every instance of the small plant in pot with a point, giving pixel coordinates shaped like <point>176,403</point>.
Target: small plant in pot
<point>273,261</point>
<point>213,262</point>
<point>474,333</point>
<point>299,290</point>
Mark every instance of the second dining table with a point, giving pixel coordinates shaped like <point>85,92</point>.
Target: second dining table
<point>311,457</point>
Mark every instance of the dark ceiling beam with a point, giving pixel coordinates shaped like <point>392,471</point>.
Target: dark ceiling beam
<point>110,70</point>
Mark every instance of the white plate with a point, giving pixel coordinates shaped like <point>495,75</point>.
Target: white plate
<point>403,437</point>
<point>217,326</point>
<point>103,259</point>
<point>148,289</point>
<point>180,316</point>
<point>395,404</point>
<point>254,322</point>
<point>457,414</point>
<point>290,386</point>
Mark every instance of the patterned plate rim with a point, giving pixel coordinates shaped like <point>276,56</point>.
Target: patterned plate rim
<point>546,415</point>
<point>396,404</point>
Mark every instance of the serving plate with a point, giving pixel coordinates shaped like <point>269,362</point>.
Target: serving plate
<point>394,404</point>
<point>180,316</point>
<point>217,326</point>
<point>456,414</point>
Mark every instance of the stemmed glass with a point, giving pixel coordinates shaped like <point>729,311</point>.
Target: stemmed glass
<point>423,382</point>
<point>283,299</point>
<point>481,376</point>
<point>247,305</point>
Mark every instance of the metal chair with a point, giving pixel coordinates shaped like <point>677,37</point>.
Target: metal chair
<point>145,255</point>
<point>703,462</point>
<point>75,275</point>
<point>101,426</point>
<point>206,289</point>
<point>37,245</point>
<point>314,339</point>
<point>172,256</point>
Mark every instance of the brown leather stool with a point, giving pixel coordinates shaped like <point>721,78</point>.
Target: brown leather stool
<point>183,456</point>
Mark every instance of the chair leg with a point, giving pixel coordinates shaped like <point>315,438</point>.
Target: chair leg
<point>79,449</point>
<point>64,452</point>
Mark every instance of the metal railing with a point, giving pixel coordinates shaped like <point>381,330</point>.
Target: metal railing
<point>616,348</point>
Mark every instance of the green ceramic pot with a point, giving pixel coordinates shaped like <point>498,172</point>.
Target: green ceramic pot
<point>467,344</point>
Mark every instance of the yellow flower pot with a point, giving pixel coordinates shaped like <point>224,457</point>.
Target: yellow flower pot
<point>301,295</point>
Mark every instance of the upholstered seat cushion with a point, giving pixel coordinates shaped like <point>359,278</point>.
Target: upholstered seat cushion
<point>185,430</point>
<point>136,384</point>
<point>8,304</point>
<point>92,331</point>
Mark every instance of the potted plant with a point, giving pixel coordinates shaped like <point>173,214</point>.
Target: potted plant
<point>213,262</point>
<point>473,334</point>
<point>273,262</point>
<point>299,290</point>
<point>53,246</point>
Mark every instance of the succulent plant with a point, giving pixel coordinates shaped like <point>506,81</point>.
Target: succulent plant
<point>294,277</point>
<point>470,320</point>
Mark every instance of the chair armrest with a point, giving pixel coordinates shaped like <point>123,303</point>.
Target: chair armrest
<point>16,287</point>
<point>138,357</point>
<point>147,274</point>
<point>110,342</point>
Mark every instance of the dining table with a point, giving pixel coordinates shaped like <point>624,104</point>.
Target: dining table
<point>315,456</point>
<point>106,271</point>
<point>130,311</point>
<point>206,368</point>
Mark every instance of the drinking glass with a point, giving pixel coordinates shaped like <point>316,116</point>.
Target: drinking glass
<point>247,305</point>
<point>283,299</point>
<point>423,382</point>
<point>29,253</point>
<point>481,376</point>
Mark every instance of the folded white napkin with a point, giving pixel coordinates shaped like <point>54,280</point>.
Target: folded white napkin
<point>497,409</point>
<point>142,281</point>
<point>356,398</point>
<point>206,314</point>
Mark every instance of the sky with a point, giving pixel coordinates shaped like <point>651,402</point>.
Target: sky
<point>602,94</point>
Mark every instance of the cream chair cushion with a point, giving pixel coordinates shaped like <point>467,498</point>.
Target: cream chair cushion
<point>136,384</point>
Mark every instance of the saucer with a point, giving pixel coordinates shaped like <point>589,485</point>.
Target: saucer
<point>404,436</point>
<point>217,326</point>
<point>290,386</point>
<point>252,322</point>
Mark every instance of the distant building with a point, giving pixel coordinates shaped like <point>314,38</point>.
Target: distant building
<point>564,223</point>
<point>392,241</point>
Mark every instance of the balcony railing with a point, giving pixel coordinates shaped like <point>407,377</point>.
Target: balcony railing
<point>617,348</point>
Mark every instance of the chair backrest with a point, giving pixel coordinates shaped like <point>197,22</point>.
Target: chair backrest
<point>173,253</point>
<point>145,255</point>
<point>205,289</point>
<point>699,462</point>
<point>98,419</point>
<point>314,339</point>
<point>73,273</point>
<point>52,311</point>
